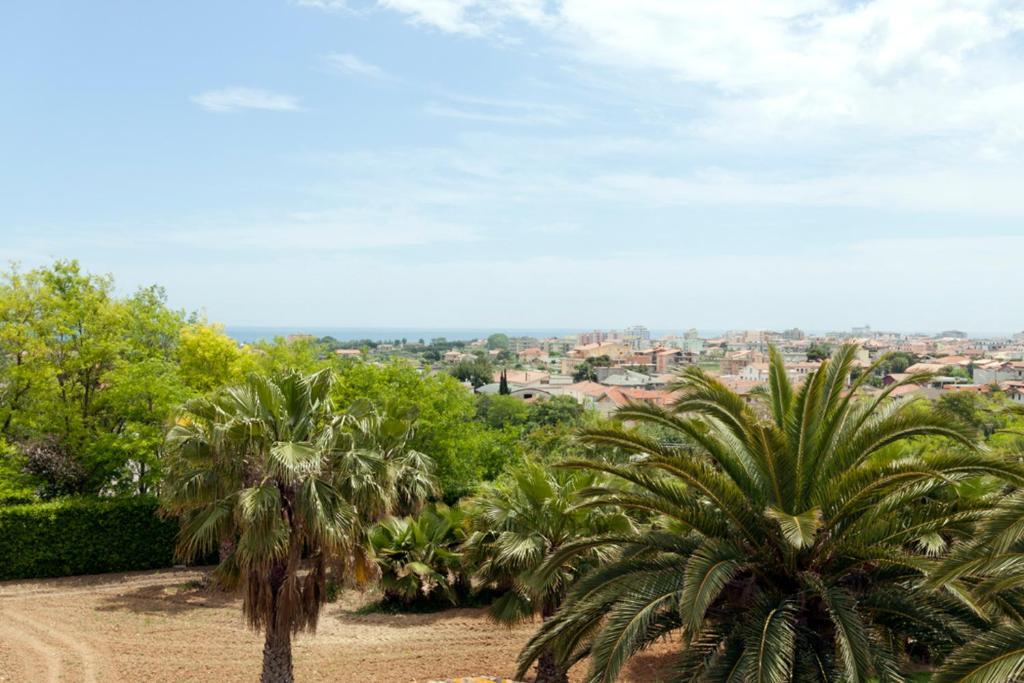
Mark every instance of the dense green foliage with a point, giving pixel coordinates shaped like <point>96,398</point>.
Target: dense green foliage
<point>84,536</point>
<point>466,442</point>
<point>517,524</point>
<point>478,371</point>
<point>789,544</point>
<point>419,558</point>
<point>88,379</point>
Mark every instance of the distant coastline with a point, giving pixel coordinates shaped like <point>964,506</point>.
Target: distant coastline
<point>248,334</point>
<point>252,334</point>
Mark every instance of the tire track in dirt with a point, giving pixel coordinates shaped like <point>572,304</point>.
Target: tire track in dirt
<point>40,661</point>
<point>38,633</point>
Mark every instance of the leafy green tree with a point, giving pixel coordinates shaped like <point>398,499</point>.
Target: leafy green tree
<point>272,463</point>
<point>897,362</point>
<point>557,410</point>
<point>477,372</point>
<point>956,371</point>
<point>819,351</point>
<point>585,371</point>
<point>789,542</point>
<point>971,409</point>
<point>86,379</point>
<point>207,358</point>
<point>520,523</point>
<point>464,450</point>
<point>498,341</point>
<point>502,412</point>
<point>303,355</point>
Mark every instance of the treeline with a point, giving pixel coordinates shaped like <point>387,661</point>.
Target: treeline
<point>90,380</point>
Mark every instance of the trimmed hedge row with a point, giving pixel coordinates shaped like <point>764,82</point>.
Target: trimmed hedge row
<point>84,536</point>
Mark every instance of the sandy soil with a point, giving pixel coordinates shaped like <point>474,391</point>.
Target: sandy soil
<point>154,627</point>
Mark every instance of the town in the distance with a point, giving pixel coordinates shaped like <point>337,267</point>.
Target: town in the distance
<point>605,369</point>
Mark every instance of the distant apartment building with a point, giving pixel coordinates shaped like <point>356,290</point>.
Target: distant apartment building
<point>952,334</point>
<point>558,345</point>
<point>517,344</point>
<point>637,335</point>
<point>794,334</point>
<point>587,338</point>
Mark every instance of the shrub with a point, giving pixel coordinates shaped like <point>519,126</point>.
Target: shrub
<point>84,536</point>
<point>419,560</point>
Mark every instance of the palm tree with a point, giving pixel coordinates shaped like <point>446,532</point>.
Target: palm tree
<point>419,557</point>
<point>196,441</point>
<point>270,463</point>
<point>519,524</point>
<point>990,568</point>
<point>384,475</point>
<point>790,536</point>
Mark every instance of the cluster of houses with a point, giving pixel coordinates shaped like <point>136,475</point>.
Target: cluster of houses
<point>630,366</point>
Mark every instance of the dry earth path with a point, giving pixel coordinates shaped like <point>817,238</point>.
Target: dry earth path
<point>158,628</point>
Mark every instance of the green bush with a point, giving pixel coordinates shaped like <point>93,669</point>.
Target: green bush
<point>84,536</point>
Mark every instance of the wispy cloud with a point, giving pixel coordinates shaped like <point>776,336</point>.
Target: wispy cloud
<point>881,68</point>
<point>225,100</point>
<point>352,65</point>
<point>502,111</point>
<point>330,5</point>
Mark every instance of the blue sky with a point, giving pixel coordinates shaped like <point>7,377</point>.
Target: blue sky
<point>526,163</point>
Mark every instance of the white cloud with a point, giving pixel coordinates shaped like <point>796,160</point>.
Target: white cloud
<point>235,99</point>
<point>353,65</point>
<point>889,67</point>
<point>500,111</point>
<point>327,5</point>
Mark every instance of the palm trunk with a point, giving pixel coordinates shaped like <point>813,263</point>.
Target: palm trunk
<point>225,548</point>
<point>277,656</point>
<point>548,670</point>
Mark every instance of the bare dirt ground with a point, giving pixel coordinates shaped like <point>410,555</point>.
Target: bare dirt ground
<point>155,627</point>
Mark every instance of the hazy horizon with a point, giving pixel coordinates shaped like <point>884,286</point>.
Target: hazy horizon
<point>251,333</point>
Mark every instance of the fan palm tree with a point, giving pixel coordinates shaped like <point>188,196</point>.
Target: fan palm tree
<point>419,556</point>
<point>271,463</point>
<point>791,535</point>
<point>383,474</point>
<point>516,526</point>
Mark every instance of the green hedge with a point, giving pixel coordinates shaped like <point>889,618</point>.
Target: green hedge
<point>84,536</point>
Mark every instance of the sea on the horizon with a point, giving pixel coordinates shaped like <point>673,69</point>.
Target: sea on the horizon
<point>247,335</point>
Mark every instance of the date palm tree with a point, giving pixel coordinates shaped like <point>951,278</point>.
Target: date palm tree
<point>791,535</point>
<point>518,524</point>
<point>270,464</point>
<point>990,568</point>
